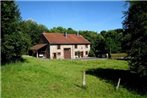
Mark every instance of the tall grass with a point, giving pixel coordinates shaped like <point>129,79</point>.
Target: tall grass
<point>44,78</point>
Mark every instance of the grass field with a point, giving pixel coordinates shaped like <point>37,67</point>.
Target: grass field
<point>43,78</point>
<point>118,55</point>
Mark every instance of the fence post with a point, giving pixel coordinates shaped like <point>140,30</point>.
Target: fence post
<point>84,79</point>
<point>118,83</point>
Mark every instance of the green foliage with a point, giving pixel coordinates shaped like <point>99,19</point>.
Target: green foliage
<point>135,36</point>
<point>33,30</point>
<point>91,37</point>
<point>71,31</point>
<point>60,79</point>
<point>10,17</point>
<point>113,40</point>
<point>105,42</point>
<point>91,53</point>
<point>13,42</point>
<point>58,30</point>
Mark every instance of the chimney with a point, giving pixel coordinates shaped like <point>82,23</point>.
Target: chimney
<point>65,34</point>
<point>77,33</point>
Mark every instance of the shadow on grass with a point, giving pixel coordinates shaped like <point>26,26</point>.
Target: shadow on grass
<point>129,80</point>
<point>14,60</point>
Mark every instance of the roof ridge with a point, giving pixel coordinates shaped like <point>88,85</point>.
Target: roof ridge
<point>57,33</point>
<point>58,38</point>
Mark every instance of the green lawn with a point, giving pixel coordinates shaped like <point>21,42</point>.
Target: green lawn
<point>43,78</point>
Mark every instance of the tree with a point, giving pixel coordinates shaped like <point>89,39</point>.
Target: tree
<point>33,30</point>
<point>13,43</point>
<point>113,40</point>
<point>97,42</point>
<point>71,31</point>
<point>58,30</point>
<point>100,46</point>
<point>135,36</point>
<point>91,37</point>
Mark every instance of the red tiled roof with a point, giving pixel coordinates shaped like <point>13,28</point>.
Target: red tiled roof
<point>59,38</point>
<point>38,46</point>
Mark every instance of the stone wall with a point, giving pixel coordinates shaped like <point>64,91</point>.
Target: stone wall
<point>60,52</point>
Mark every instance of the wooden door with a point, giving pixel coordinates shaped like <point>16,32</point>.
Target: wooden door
<point>67,53</point>
<point>82,54</point>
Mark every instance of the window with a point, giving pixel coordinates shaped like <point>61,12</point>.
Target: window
<point>76,46</point>
<point>59,53</point>
<point>86,52</point>
<point>76,53</point>
<point>86,46</point>
<point>58,47</point>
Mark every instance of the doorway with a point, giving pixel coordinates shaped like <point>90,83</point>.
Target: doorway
<point>54,55</point>
<point>67,53</point>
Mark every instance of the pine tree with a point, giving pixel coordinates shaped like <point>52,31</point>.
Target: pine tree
<point>14,42</point>
<point>135,36</point>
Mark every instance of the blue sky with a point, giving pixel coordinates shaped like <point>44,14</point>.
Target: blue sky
<point>79,15</point>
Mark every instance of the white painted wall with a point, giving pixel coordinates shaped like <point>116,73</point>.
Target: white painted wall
<point>53,49</point>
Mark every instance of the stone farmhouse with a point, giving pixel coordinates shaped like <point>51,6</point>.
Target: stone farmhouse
<point>61,46</point>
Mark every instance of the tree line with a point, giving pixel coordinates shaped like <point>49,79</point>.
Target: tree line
<point>19,35</point>
<point>105,41</point>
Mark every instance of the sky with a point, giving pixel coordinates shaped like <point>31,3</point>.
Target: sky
<point>79,15</point>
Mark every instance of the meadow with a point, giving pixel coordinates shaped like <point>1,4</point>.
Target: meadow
<point>44,78</point>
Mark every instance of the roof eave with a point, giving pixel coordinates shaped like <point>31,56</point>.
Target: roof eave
<point>69,43</point>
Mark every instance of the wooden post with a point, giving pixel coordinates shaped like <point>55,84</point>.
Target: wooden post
<point>118,84</point>
<point>84,79</point>
<point>37,54</point>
